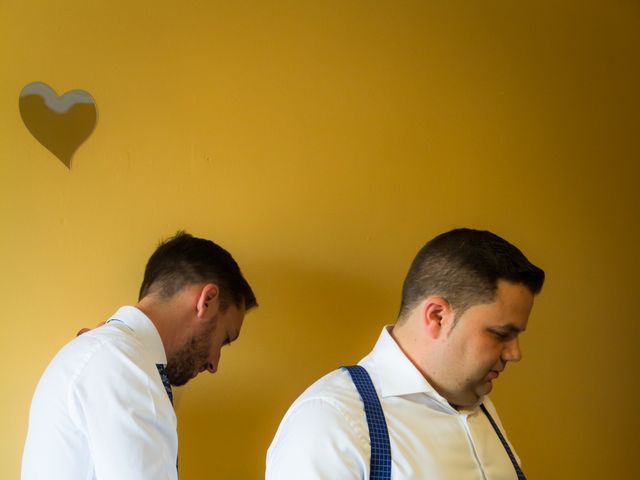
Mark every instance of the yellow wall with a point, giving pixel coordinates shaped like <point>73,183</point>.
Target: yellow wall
<point>323,143</point>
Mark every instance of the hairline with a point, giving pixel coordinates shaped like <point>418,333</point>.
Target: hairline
<point>156,288</point>
<point>402,318</point>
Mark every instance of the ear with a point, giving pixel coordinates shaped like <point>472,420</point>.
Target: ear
<point>436,313</point>
<point>208,300</point>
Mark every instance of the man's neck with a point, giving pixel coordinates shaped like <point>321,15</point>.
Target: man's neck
<point>161,313</point>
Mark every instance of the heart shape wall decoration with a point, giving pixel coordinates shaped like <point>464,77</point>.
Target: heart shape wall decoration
<point>62,123</point>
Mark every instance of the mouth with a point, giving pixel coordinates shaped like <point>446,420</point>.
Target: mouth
<point>493,374</point>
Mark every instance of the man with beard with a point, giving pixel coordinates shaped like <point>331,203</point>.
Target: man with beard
<point>103,407</point>
<point>417,407</point>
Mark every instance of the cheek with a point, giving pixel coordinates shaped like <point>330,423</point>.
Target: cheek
<point>205,347</point>
<point>480,359</point>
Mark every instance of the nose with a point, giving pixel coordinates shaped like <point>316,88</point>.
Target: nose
<point>211,368</point>
<point>212,365</point>
<point>512,352</point>
<point>213,360</point>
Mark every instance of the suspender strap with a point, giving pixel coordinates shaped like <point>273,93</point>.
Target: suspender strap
<point>380,467</point>
<point>504,444</point>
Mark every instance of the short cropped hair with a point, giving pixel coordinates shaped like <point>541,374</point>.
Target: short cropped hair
<point>185,260</point>
<point>463,266</point>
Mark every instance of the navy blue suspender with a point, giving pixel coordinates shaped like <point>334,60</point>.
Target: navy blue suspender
<point>380,466</point>
<point>504,444</point>
<point>379,436</point>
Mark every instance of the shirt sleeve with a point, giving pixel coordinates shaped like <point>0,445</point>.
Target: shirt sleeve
<point>130,428</point>
<point>318,440</point>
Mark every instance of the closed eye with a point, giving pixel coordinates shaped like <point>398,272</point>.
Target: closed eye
<point>506,332</point>
<point>503,335</point>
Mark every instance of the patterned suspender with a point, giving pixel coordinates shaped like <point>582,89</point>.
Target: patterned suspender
<point>379,435</point>
<point>504,444</point>
<point>380,466</point>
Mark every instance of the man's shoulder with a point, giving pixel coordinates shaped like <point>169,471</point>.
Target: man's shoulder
<point>104,344</point>
<point>334,385</point>
<point>105,339</point>
<point>334,391</point>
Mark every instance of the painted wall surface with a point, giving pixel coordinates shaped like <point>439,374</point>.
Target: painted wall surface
<point>323,143</point>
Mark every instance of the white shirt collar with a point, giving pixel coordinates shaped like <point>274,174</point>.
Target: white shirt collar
<point>144,330</point>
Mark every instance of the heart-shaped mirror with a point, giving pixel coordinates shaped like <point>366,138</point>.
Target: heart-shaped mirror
<point>62,123</point>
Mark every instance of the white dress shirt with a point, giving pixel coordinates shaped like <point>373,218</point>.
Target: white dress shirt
<point>100,410</point>
<point>324,434</point>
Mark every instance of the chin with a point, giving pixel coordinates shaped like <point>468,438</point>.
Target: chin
<point>484,390</point>
<point>180,381</point>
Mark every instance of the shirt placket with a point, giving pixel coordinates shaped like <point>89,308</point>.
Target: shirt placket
<point>463,419</point>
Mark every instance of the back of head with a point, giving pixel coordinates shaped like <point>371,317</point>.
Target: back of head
<point>185,260</point>
<point>463,266</point>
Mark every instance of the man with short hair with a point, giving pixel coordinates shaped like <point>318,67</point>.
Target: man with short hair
<point>416,407</point>
<point>103,407</point>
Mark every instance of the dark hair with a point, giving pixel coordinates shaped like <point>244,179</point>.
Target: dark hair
<point>464,266</point>
<point>184,260</point>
